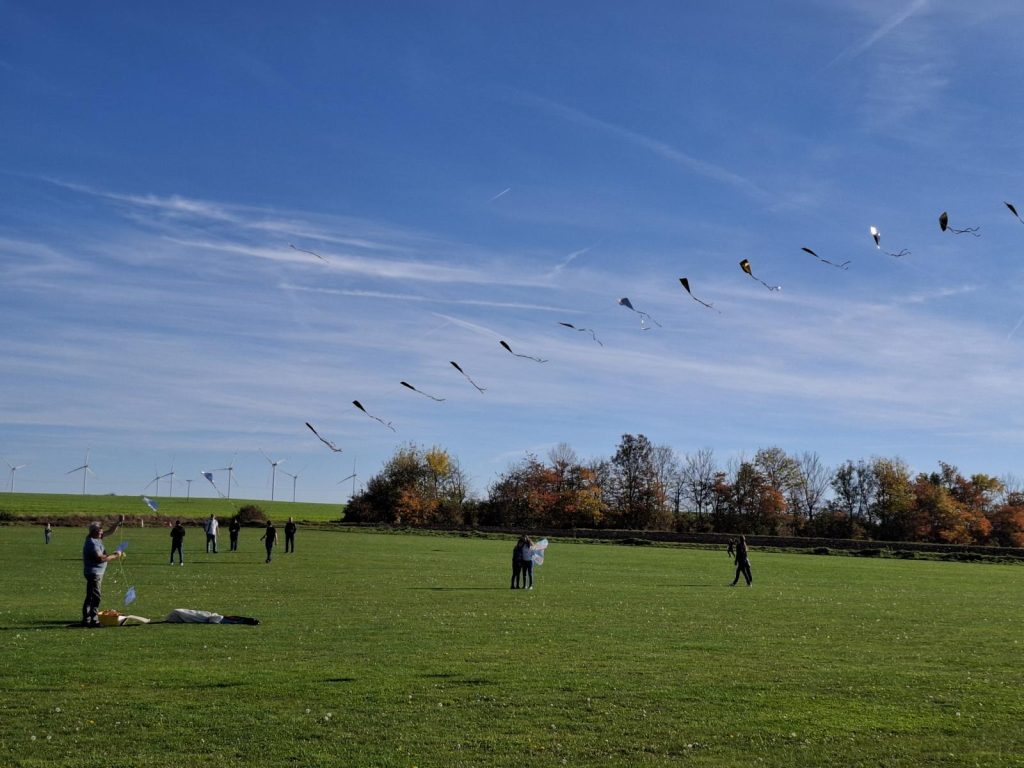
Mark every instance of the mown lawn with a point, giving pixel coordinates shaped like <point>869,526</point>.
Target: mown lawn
<point>410,650</point>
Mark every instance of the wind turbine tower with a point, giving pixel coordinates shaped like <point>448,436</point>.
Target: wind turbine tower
<point>273,472</point>
<point>85,469</point>
<point>295,479</point>
<point>13,470</point>
<point>230,469</point>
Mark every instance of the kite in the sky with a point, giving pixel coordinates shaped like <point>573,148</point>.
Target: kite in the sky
<point>311,253</point>
<point>328,443</point>
<point>586,330</point>
<point>209,476</point>
<point>150,503</point>
<point>944,225</point>
<point>624,302</point>
<point>1013,211</point>
<point>877,237</point>
<point>844,265</point>
<point>745,266</point>
<point>458,368</point>
<point>410,386</point>
<point>528,357</point>
<point>359,405</point>
<point>686,284</point>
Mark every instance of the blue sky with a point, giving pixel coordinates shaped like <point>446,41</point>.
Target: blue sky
<point>478,172</point>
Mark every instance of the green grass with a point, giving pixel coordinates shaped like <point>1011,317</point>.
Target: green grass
<point>409,650</point>
<point>57,507</point>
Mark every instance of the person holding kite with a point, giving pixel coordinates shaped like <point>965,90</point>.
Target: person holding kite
<point>94,562</point>
<point>517,563</point>
<point>233,528</point>
<point>211,526</point>
<point>526,559</point>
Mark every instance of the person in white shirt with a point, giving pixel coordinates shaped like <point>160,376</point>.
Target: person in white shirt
<point>211,527</point>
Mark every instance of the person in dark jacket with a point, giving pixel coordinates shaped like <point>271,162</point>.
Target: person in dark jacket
<point>233,528</point>
<point>177,537</point>
<point>269,538</point>
<point>742,562</point>
<point>289,535</point>
<point>517,563</point>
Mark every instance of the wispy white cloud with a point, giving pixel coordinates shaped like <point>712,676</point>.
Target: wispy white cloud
<point>660,148</point>
<point>886,28</point>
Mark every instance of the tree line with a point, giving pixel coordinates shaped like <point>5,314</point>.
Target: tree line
<point>651,487</point>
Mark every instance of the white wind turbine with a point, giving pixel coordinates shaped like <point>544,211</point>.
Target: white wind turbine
<point>273,472</point>
<point>351,477</point>
<point>230,469</point>
<point>85,469</point>
<point>295,479</point>
<point>13,470</point>
<point>155,480</point>
<point>170,479</point>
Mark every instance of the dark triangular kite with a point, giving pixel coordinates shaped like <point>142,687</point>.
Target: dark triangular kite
<point>745,266</point>
<point>303,250</point>
<point>944,226</point>
<point>877,237</point>
<point>624,302</point>
<point>844,265</point>
<point>359,405</point>
<point>458,368</point>
<point>1013,211</point>
<point>528,357</point>
<point>328,443</point>
<point>586,330</point>
<point>686,284</point>
<point>410,386</point>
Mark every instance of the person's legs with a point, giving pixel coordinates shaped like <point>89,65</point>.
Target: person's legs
<point>747,574</point>
<point>270,549</point>
<point>91,606</point>
<point>515,574</point>
<point>739,570</point>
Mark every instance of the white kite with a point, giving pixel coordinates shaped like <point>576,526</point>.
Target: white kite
<point>150,503</point>
<point>537,552</point>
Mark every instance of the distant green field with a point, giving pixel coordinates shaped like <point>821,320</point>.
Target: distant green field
<point>61,506</point>
<point>410,650</point>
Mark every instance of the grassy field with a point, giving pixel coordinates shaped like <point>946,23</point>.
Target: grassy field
<point>60,507</point>
<point>410,650</point>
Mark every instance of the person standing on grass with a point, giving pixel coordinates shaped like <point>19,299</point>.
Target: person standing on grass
<point>94,562</point>
<point>47,533</point>
<point>211,526</point>
<point>526,559</point>
<point>289,535</point>
<point>269,538</point>
<point>177,537</point>
<point>517,563</point>
<point>742,562</point>
<point>233,528</point>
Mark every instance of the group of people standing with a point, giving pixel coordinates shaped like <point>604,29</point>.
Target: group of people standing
<point>522,563</point>
<point>211,526</point>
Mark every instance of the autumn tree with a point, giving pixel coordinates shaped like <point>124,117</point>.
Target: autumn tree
<point>634,492</point>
